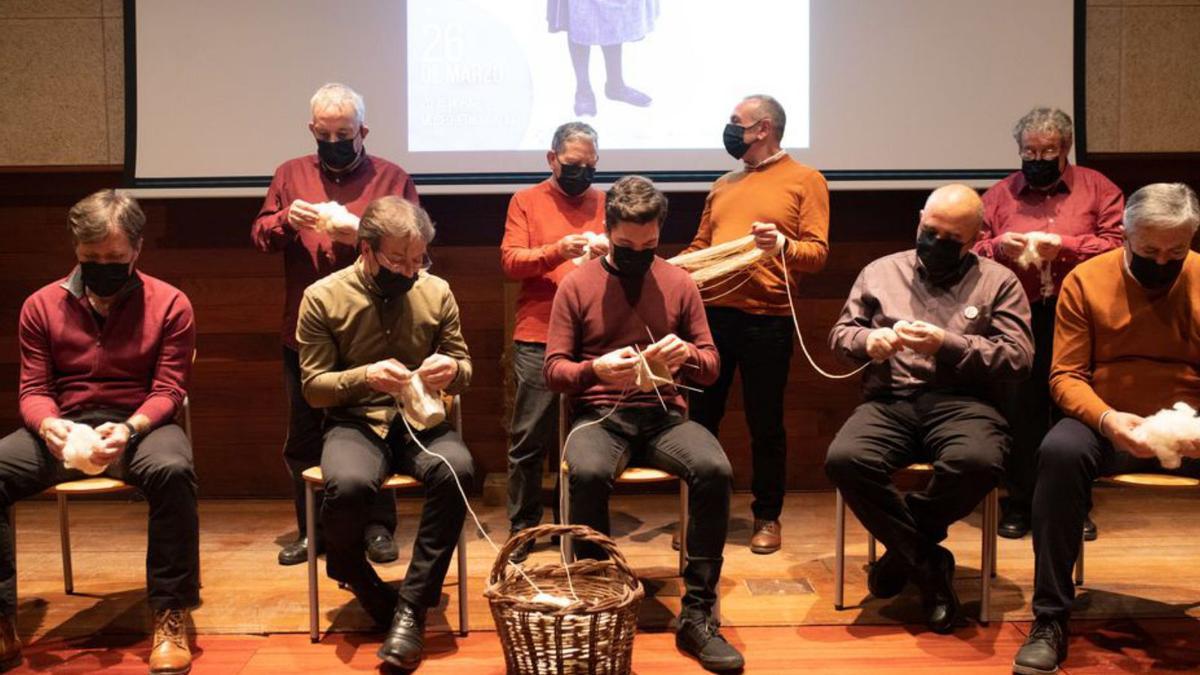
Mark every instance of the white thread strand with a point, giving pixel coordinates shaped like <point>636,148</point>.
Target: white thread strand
<point>745,280</point>
<point>796,322</point>
<point>467,502</point>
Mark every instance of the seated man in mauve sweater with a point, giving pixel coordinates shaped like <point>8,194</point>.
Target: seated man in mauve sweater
<point>105,358</point>
<point>600,331</point>
<point>1125,346</point>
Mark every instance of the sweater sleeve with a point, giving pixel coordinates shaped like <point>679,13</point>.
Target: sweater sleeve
<point>37,396</point>
<point>563,373</point>
<point>808,251</point>
<point>1071,365</point>
<point>520,256</point>
<point>174,367</point>
<point>702,351</point>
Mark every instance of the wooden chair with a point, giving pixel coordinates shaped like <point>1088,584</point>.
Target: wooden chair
<point>1141,480</point>
<point>314,480</point>
<point>96,486</point>
<point>991,522</point>
<point>634,475</point>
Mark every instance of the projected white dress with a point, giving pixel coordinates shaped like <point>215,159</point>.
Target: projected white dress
<point>602,22</point>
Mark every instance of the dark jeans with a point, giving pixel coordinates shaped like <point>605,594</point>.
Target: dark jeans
<point>532,434</point>
<point>1030,410</point>
<point>302,450</point>
<point>597,454</point>
<point>761,346</point>
<point>355,464</point>
<point>964,438</point>
<point>160,465</point>
<point>1070,458</point>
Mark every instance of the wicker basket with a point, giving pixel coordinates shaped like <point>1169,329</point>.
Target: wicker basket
<point>592,635</point>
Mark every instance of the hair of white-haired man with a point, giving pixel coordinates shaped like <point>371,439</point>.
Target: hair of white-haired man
<point>336,97</point>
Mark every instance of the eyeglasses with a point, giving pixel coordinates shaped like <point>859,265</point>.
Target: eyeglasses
<point>1029,154</point>
<point>422,264</point>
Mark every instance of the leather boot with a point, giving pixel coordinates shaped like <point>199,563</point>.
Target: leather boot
<point>170,654</point>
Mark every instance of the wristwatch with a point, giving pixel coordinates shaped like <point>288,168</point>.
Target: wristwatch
<point>134,435</point>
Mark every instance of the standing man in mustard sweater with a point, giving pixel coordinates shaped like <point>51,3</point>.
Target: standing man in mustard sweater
<point>785,204</point>
<point>1124,347</point>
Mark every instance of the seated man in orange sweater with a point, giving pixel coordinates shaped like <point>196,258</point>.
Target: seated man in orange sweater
<point>1124,347</point>
<point>545,235</point>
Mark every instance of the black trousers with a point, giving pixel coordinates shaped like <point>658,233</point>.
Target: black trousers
<point>532,434</point>
<point>1030,410</point>
<point>355,463</point>
<point>598,453</point>
<point>302,450</point>
<point>964,438</point>
<point>761,347</point>
<point>160,465</point>
<point>1070,458</point>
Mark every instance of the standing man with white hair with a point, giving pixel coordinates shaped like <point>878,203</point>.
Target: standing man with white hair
<point>1124,347</point>
<point>1076,214</point>
<point>290,223</point>
<point>785,205</point>
<point>547,228</point>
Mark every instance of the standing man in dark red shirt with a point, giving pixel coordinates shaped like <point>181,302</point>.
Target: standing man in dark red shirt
<point>107,353</point>
<point>290,222</point>
<point>1076,212</point>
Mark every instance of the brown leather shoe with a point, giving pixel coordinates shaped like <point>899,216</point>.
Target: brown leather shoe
<point>170,655</point>
<point>768,536</point>
<point>10,644</point>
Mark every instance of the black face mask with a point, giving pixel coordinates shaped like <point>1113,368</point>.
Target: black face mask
<point>631,263</point>
<point>392,284</point>
<point>1151,275</point>
<point>941,257</point>
<point>337,154</point>
<point>735,140</point>
<point>1040,173</point>
<point>105,279</point>
<point>575,179</point>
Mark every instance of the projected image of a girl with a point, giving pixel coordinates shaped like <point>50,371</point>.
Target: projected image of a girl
<point>609,24</point>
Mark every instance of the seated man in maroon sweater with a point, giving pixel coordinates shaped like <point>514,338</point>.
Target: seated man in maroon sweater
<point>109,348</point>
<point>600,331</point>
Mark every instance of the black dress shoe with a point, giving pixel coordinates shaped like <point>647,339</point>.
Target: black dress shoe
<point>521,553</point>
<point>405,639</point>
<point>297,552</point>
<point>1044,649</point>
<point>935,577</point>
<point>701,639</point>
<point>377,598</point>
<point>888,576</point>
<point>381,548</point>
<point>1014,524</point>
<point>1089,530</point>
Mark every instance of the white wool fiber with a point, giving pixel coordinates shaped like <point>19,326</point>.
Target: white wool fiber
<point>82,443</point>
<point>1166,431</point>
<point>1029,257</point>
<point>332,216</point>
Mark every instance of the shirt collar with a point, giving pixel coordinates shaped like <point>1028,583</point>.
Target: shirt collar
<point>1066,182</point>
<point>768,161</point>
<point>73,284</point>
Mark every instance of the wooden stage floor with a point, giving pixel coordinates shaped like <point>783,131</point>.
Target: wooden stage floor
<point>1138,612</point>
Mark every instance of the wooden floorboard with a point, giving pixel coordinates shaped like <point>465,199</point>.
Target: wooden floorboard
<point>1138,612</point>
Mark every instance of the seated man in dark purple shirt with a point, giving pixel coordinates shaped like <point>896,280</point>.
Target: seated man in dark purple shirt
<point>106,353</point>
<point>610,319</point>
<point>938,325</point>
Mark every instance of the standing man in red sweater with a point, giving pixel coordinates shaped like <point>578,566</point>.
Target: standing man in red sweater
<point>1076,212</point>
<point>107,353</point>
<point>290,223</point>
<point>548,230</point>
<point>785,205</point>
<point>599,338</point>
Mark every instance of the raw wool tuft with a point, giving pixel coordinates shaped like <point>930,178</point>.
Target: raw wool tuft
<point>423,409</point>
<point>1166,431</point>
<point>651,373</point>
<point>332,216</point>
<point>717,262</point>
<point>1029,257</point>
<point>587,250</point>
<point>82,442</point>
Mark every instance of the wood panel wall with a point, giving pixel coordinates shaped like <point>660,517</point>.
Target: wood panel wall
<point>203,247</point>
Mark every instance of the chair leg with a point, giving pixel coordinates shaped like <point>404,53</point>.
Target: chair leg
<point>839,555</point>
<point>1079,563</point>
<point>314,610</point>
<point>987,555</point>
<point>872,553</point>
<point>564,511</point>
<point>683,525</point>
<point>464,627</point>
<point>64,533</point>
